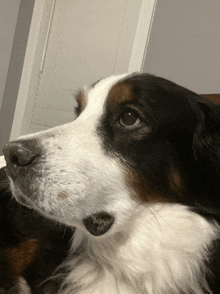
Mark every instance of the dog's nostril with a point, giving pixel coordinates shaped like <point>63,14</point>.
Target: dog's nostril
<point>19,154</point>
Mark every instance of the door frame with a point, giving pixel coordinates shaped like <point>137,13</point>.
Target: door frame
<point>34,58</point>
<point>37,43</point>
<point>142,36</point>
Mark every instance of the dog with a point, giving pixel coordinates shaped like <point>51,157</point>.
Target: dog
<point>137,174</point>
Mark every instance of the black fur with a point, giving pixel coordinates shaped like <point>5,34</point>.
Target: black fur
<point>18,224</point>
<point>179,129</point>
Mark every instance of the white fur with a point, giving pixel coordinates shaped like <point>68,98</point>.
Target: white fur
<point>23,286</point>
<point>161,250</point>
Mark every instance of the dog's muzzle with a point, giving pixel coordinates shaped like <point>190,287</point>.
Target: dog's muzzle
<point>99,223</point>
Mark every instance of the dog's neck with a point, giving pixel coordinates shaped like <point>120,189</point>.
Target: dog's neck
<point>158,253</point>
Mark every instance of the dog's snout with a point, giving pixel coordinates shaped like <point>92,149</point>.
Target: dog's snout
<point>19,154</point>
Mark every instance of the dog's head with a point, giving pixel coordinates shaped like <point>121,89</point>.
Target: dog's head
<point>137,139</point>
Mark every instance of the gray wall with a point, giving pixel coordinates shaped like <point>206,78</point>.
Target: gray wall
<point>184,45</point>
<point>15,67</point>
<point>8,19</point>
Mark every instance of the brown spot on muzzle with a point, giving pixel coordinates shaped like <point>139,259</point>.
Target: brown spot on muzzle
<point>120,93</point>
<point>62,195</point>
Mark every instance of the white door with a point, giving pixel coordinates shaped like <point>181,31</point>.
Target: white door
<point>73,43</point>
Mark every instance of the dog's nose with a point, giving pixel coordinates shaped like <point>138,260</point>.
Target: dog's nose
<point>19,154</point>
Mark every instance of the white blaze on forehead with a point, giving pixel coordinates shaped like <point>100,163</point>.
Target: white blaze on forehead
<point>96,97</point>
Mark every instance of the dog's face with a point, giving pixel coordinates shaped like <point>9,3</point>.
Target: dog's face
<point>136,139</point>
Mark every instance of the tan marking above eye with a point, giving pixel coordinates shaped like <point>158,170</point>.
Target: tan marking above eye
<point>81,98</point>
<point>120,93</point>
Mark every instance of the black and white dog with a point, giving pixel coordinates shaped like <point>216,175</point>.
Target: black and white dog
<point>138,175</point>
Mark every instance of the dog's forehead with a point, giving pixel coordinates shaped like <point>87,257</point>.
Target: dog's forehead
<point>94,98</point>
<point>97,95</point>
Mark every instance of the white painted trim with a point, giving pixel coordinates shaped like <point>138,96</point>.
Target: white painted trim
<point>142,35</point>
<point>47,36</point>
<point>27,68</point>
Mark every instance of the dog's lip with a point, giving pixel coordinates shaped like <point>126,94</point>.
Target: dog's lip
<point>99,223</point>
<point>24,201</point>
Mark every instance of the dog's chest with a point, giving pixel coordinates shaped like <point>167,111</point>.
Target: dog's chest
<point>164,252</point>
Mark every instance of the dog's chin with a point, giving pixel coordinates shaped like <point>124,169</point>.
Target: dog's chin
<point>23,201</point>
<point>96,225</point>
<point>18,196</point>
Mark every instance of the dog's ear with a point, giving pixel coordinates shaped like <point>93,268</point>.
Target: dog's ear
<point>206,138</point>
<point>205,168</point>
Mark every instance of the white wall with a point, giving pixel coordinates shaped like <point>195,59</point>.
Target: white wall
<point>89,39</point>
<point>184,45</point>
<point>8,18</point>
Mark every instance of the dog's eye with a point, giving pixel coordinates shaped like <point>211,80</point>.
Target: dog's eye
<point>130,119</point>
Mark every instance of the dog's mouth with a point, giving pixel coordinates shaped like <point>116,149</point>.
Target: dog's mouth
<point>99,223</point>
<point>28,175</point>
<point>96,224</point>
